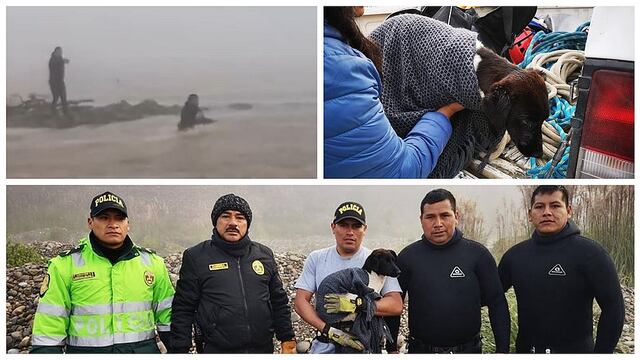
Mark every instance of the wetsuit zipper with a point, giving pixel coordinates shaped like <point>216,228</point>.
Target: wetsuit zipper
<point>244,299</point>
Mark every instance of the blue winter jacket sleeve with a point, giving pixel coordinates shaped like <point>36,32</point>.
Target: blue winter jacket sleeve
<point>358,138</point>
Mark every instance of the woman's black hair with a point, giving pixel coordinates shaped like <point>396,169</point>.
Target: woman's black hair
<point>343,19</point>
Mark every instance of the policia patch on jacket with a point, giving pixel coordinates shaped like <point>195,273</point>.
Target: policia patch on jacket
<point>84,276</point>
<point>258,268</point>
<point>45,285</point>
<point>218,266</point>
<point>149,278</point>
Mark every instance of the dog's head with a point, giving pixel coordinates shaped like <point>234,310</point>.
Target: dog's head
<point>383,262</point>
<point>519,104</point>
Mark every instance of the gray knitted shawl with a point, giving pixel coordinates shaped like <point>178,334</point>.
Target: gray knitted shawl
<point>428,64</point>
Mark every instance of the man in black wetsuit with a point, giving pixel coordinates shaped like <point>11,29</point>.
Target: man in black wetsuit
<point>191,114</point>
<point>56,79</point>
<point>448,279</point>
<point>556,274</point>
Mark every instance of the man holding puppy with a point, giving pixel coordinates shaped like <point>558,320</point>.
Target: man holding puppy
<point>449,278</point>
<point>348,227</point>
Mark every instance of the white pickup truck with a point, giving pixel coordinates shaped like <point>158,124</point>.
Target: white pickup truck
<point>602,145</point>
<point>602,140</point>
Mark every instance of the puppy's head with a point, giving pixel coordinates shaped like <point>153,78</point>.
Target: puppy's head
<point>383,262</point>
<point>518,103</point>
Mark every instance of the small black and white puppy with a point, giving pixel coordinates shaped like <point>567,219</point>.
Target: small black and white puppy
<point>428,64</point>
<point>380,264</point>
<point>363,285</point>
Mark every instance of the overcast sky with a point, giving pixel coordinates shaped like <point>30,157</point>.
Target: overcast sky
<point>285,217</point>
<point>235,52</point>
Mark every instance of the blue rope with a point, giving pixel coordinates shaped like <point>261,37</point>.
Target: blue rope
<point>560,171</point>
<point>560,110</point>
<point>546,42</point>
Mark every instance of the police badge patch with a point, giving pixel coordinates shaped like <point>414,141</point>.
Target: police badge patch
<point>149,278</point>
<point>258,268</point>
<point>45,285</point>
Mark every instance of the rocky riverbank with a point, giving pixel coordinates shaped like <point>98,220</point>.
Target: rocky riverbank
<point>23,284</point>
<point>38,113</point>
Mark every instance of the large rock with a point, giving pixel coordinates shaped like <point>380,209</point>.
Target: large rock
<point>26,341</point>
<point>40,115</point>
<point>19,310</point>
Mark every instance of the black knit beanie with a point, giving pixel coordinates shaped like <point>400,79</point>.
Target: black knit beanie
<point>231,202</point>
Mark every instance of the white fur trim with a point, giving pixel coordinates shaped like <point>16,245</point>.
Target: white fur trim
<point>376,282</point>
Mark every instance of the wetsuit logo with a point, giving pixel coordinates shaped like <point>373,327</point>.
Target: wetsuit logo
<point>557,270</point>
<point>456,273</point>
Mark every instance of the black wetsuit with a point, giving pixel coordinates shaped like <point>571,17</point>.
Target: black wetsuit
<point>556,278</point>
<point>189,117</point>
<point>447,285</point>
<point>56,81</point>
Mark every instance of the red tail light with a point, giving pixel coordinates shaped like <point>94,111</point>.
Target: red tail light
<point>608,124</point>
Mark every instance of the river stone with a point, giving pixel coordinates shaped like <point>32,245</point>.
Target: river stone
<point>25,342</point>
<point>19,310</point>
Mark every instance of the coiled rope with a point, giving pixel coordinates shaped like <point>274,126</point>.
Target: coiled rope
<point>559,56</point>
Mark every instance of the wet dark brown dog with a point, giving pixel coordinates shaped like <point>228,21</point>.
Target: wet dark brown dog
<point>514,100</point>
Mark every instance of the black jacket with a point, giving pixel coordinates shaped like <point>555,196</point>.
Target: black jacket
<point>56,69</point>
<point>188,116</point>
<point>447,286</point>
<point>237,302</point>
<point>556,278</point>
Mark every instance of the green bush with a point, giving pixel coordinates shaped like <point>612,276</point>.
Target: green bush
<point>488,341</point>
<point>20,254</point>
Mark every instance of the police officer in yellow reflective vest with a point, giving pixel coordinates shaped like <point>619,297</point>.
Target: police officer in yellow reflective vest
<point>107,295</point>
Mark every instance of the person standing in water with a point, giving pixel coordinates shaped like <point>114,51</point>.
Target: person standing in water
<point>191,114</point>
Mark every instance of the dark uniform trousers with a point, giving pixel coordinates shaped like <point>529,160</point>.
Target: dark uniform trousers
<point>473,346</point>
<point>262,349</point>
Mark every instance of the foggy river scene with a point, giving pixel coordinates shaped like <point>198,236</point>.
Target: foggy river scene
<point>128,72</point>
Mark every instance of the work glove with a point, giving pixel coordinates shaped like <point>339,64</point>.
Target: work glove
<point>348,303</point>
<point>341,337</point>
<point>288,347</point>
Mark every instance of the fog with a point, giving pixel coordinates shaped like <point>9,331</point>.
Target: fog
<point>233,53</point>
<point>286,218</point>
<point>261,57</point>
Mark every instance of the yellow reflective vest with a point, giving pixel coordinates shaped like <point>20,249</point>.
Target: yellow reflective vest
<point>85,301</point>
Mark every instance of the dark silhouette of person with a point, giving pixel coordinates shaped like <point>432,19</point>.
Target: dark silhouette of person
<point>56,79</point>
<point>191,114</point>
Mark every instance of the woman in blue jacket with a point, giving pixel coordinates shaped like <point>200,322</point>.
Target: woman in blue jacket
<point>358,138</point>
